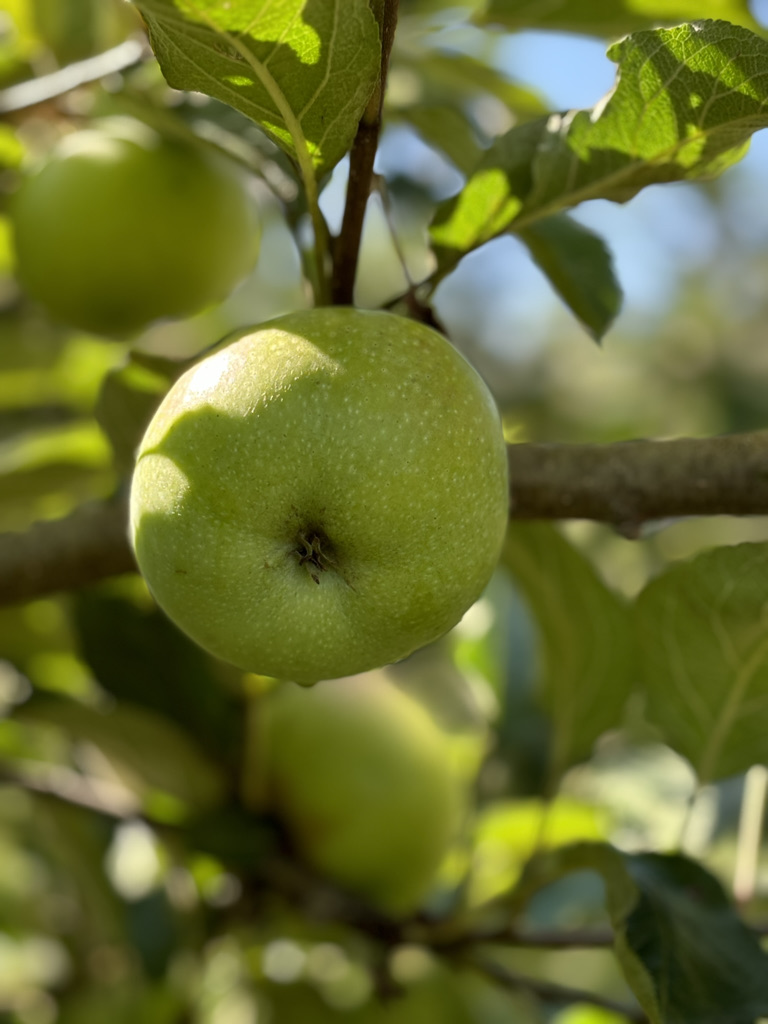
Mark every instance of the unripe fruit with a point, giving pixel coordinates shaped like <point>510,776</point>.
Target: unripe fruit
<point>323,495</point>
<point>362,778</point>
<point>122,226</point>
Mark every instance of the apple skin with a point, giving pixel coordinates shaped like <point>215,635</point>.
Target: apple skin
<point>362,778</point>
<point>122,226</point>
<point>323,495</point>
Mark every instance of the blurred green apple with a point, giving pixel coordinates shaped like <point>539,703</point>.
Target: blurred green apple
<point>122,226</point>
<point>323,495</point>
<point>364,781</point>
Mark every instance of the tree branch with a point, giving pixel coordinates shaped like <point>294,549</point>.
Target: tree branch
<point>633,482</point>
<point>89,545</point>
<point>549,938</point>
<point>624,485</point>
<point>48,87</point>
<point>361,158</point>
<point>69,787</point>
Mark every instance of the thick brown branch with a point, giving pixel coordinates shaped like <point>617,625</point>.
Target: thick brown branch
<point>361,158</point>
<point>87,546</point>
<point>625,485</point>
<point>633,482</point>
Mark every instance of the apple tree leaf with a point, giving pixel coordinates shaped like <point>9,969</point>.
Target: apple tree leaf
<point>610,20</point>
<point>71,460</point>
<point>302,69</point>
<point>703,631</point>
<point>153,750</point>
<point>579,266</point>
<point>128,397</point>
<point>685,953</point>
<point>685,104</point>
<point>118,637</point>
<point>586,638</point>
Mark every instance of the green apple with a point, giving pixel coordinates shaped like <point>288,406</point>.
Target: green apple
<point>122,226</point>
<point>323,495</point>
<point>362,777</point>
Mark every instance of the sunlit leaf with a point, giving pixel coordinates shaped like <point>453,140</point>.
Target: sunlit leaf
<point>704,643</point>
<point>684,107</point>
<point>583,1013</point>
<point>11,147</point>
<point>586,638</point>
<point>19,40</point>
<point>46,472</point>
<point>579,266</point>
<point>507,833</point>
<point>39,367</point>
<point>302,70</point>
<point>610,20</point>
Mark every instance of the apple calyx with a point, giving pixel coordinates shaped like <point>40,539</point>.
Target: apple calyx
<point>312,552</point>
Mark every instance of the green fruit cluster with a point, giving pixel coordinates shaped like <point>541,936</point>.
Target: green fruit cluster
<point>121,227</point>
<point>323,495</point>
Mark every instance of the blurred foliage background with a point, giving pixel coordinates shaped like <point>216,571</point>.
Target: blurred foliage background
<point>131,886</point>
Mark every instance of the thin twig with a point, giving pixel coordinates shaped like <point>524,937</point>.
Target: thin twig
<point>48,87</point>
<point>346,250</point>
<point>546,938</point>
<point>549,991</point>
<point>67,786</point>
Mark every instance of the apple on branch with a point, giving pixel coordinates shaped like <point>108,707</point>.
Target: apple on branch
<point>121,226</point>
<point>322,495</point>
<point>365,783</point>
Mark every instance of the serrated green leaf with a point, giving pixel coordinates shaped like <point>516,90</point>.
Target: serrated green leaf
<point>579,266</point>
<point>705,965</point>
<point>586,637</point>
<point>685,104</point>
<point>684,951</point>
<point>492,198</point>
<point>704,644</point>
<point>610,20</point>
<point>302,69</point>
